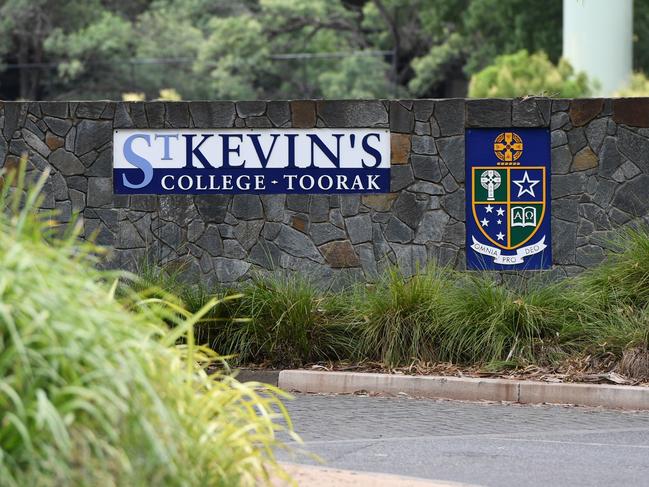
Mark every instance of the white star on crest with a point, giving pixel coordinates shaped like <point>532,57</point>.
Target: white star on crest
<point>499,222</point>
<point>525,182</point>
<point>500,236</point>
<point>489,208</point>
<point>500,211</point>
<point>485,222</point>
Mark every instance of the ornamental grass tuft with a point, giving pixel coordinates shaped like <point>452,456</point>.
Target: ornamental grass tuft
<point>398,318</point>
<point>287,322</point>
<point>440,315</point>
<point>94,388</point>
<point>484,321</point>
<point>623,278</point>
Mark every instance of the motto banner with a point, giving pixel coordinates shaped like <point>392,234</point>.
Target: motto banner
<point>508,199</point>
<point>251,161</point>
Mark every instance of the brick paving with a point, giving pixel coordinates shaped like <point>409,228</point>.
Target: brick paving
<point>478,443</point>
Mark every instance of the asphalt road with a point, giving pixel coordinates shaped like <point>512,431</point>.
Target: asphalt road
<point>475,443</point>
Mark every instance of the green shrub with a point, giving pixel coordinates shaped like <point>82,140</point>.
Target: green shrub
<point>623,278</point>
<point>286,322</point>
<point>169,282</point>
<point>398,318</point>
<point>524,74</point>
<point>613,333</point>
<point>435,315</point>
<point>638,87</point>
<point>488,322</point>
<point>614,298</point>
<point>94,390</point>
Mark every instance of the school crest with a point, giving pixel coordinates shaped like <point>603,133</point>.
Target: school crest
<point>508,199</point>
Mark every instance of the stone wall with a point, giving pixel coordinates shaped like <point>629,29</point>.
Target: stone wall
<point>600,180</point>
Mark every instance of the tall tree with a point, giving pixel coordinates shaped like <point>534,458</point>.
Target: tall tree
<point>25,27</point>
<point>468,35</point>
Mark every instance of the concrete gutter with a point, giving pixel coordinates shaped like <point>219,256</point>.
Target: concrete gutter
<point>467,389</point>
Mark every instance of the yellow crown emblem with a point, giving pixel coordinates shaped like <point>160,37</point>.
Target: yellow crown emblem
<point>508,147</point>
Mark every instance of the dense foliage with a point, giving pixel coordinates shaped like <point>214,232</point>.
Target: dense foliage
<point>522,74</point>
<point>263,48</point>
<point>95,391</point>
<point>442,315</point>
<point>639,86</point>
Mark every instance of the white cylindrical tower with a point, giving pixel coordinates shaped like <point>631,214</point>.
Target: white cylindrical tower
<point>598,39</point>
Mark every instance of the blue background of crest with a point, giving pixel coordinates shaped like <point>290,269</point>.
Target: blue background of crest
<point>479,151</point>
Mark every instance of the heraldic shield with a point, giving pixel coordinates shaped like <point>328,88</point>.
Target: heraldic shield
<point>508,199</point>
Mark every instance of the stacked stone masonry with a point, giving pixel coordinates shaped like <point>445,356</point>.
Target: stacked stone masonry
<point>600,181</point>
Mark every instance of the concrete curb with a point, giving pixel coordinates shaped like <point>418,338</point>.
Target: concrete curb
<point>467,389</point>
<point>257,375</point>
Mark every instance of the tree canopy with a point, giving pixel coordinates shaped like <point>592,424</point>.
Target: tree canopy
<point>522,74</point>
<point>215,49</point>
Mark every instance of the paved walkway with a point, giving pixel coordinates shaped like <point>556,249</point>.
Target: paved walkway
<point>310,476</point>
<point>482,444</point>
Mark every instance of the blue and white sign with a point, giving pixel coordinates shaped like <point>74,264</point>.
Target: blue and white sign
<point>508,199</point>
<point>251,161</point>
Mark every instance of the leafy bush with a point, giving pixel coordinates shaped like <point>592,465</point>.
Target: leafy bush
<point>523,74</point>
<point>638,87</point>
<point>94,389</point>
